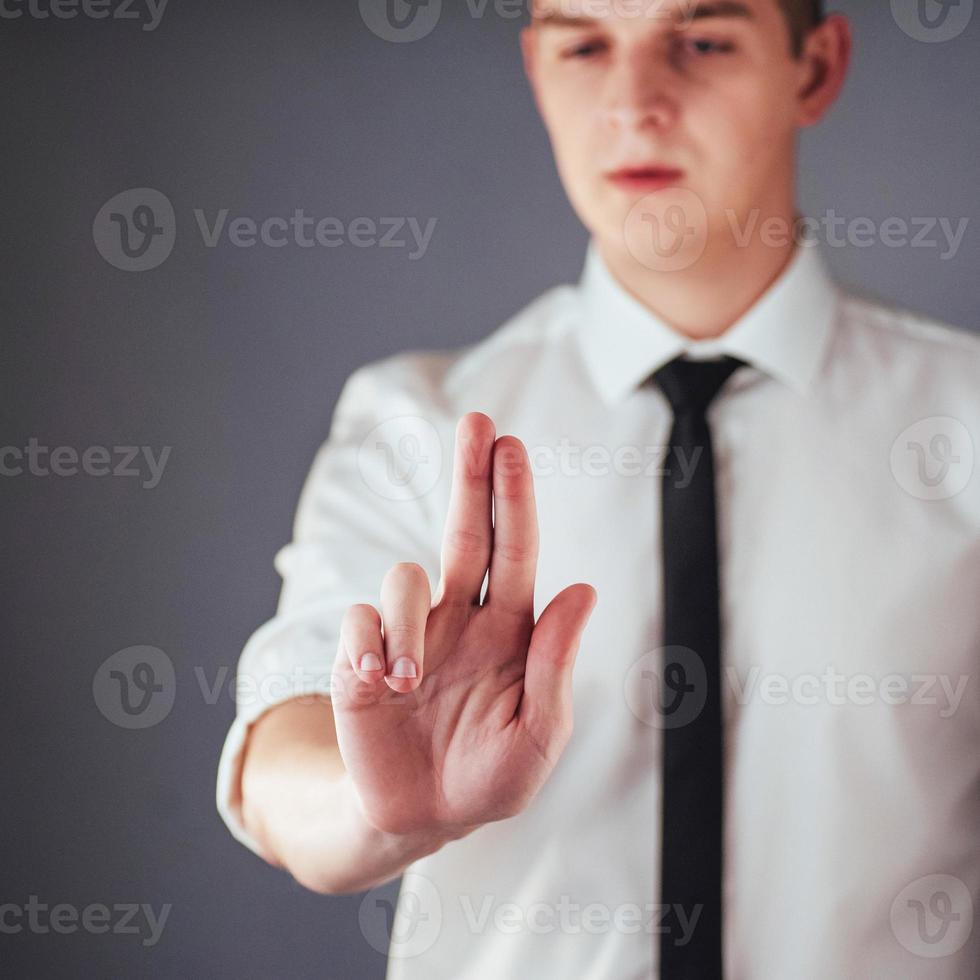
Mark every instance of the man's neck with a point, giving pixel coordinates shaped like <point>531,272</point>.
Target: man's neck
<point>707,298</point>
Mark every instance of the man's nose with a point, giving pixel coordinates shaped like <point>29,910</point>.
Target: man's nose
<point>640,94</point>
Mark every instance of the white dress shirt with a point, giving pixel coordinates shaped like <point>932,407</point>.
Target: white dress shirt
<point>849,538</point>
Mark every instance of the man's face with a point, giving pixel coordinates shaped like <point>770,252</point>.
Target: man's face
<point>708,91</point>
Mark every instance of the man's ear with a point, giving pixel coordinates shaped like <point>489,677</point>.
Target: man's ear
<point>824,63</point>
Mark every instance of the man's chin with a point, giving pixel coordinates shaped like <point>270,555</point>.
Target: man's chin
<point>666,231</point>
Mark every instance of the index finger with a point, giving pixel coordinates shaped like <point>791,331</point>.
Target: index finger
<point>468,534</point>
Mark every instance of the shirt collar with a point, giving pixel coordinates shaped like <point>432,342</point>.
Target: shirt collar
<point>785,333</point>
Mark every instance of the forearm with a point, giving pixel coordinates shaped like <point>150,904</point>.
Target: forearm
<point>301,806</point>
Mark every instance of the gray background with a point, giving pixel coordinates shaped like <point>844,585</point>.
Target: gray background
<point>235,357</point>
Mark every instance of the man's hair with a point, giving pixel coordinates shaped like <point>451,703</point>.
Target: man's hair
<point>802,15</point>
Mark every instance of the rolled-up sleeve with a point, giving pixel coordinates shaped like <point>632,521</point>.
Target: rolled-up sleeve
<point>374,496</point>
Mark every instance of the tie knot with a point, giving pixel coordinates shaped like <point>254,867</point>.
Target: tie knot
<point>691,386</point>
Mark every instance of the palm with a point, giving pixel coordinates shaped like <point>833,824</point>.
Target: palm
<point>478,735</point>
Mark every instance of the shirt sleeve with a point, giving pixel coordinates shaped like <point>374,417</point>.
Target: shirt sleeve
<point>374,496</point>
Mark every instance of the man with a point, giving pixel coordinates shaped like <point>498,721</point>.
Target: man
<point>768,641</point>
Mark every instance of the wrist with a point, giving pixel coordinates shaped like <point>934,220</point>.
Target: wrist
<point>402,848</point>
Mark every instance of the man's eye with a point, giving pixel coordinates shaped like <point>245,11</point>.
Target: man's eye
<point>703,46</point>
<point>586,49</point>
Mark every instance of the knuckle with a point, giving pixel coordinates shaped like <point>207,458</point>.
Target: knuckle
<point>549,741</point>
<point>517,551</point>
<point>466,542</point>
<point>350,694</point>
<point>508,491</point>
<point>459,603</point>
<point>402,629</point>
<point>390,819</point>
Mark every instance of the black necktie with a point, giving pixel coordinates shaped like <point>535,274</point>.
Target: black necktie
<point>691,684</point>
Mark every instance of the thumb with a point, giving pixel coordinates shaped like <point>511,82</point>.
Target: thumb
<point>546,707</point>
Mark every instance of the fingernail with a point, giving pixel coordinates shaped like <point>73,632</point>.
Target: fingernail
<point>404,667</point>
<point>371,661</point>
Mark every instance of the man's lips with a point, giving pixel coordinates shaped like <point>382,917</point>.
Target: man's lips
<point>645,178</point>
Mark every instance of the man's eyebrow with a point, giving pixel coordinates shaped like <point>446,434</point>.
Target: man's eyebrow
<point>555,18</point>
<point>686,13</point>
<point>719,8</point>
